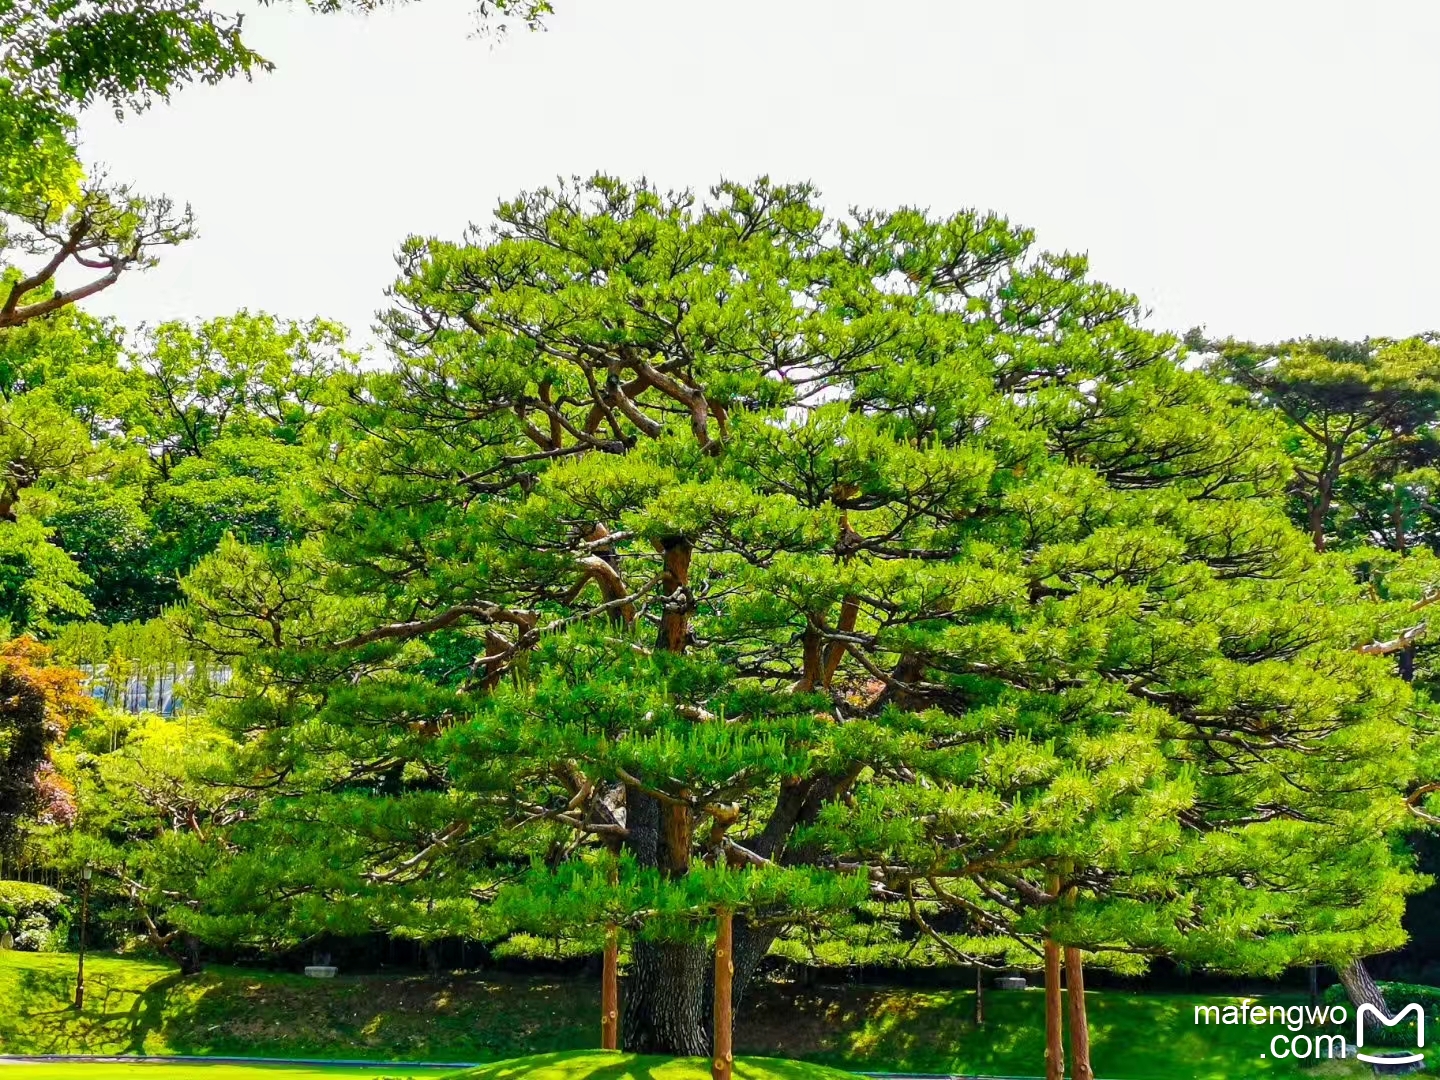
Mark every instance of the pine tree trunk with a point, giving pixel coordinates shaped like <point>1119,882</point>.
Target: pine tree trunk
<point>722,1058</point>
<point>1054,1021</point>
<point>1361,987</point>
<point>665,999</point>
<point>667,992</point>
<point>1317,528</point>
<point>1315,517</point>
<point>610,991</point>
<point>752,945</point>
<point>190,962</point>
<point>1079,1023</point>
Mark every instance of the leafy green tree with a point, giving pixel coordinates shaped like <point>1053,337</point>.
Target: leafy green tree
<point>61,390</point>
<point>56,58</point>
<point>230,378</point>
<point>103,232</point>
<point>58,382</point>
<point>155,814</point>
<point>696,542</point>
<point>224,410</point>
<point>124,471</point>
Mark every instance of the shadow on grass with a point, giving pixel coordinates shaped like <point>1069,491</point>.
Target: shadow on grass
<point>564,1066</point>
<point>120,1019</point>
<point>603,1065</point>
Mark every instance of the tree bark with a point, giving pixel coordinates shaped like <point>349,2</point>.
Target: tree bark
<point>663,1011</point>
<point>722,1057</point>
<point>979,996</point>
<point>190,962</point>
<point>610,991</point>
<point>1054,1018</point>
<point>675,590</point>
<point>666,994</point>
<point>1317,525</point>
<point>664,999</point>
<point>752,945</point>
<point>1079,1023</point>
<point>1361,988</point>
<point>1324,496</point>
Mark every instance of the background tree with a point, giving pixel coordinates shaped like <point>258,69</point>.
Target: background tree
<point>123,470</point>
<point>1356,411</point>
<point>154,823</point>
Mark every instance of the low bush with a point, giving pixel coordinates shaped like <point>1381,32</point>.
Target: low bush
<point>36,916</point>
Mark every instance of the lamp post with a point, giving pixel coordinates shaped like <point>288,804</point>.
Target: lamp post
<point>84,917</point>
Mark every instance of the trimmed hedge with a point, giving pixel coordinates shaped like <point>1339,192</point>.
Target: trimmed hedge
<point>37,916</point>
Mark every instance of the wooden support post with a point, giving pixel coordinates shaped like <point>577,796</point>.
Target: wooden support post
<point>1054,1018</point>
<point>979,996</point>
<point>610,991</point>
<point>722,1058</point>
<point>1079,1023</point>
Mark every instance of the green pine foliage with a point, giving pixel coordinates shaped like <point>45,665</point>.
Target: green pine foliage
<point>723,553</point>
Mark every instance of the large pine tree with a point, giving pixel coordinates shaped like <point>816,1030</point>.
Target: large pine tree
<point>732,554</point>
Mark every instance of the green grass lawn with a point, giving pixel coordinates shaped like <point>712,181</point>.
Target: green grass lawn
<point>140,1007</point>
<point>1133,1036</point>
<point>109,1071</point>
<point>600,1065</point>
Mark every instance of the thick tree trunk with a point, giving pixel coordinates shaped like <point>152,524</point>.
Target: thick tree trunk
<point>190,962</point>
<point>610,991</point>
<point>1361,987</point>
<point>675,588</point>
<point>665,999</point>
<point>1079,1023</point>
<point>752,945</point>
<point>667,992</point>
<point>664,1008</point>
<point>722,1057</point>
<point>1054,1017</point>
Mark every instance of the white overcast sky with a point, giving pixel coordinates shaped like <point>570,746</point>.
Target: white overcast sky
<point>1265,167</point>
